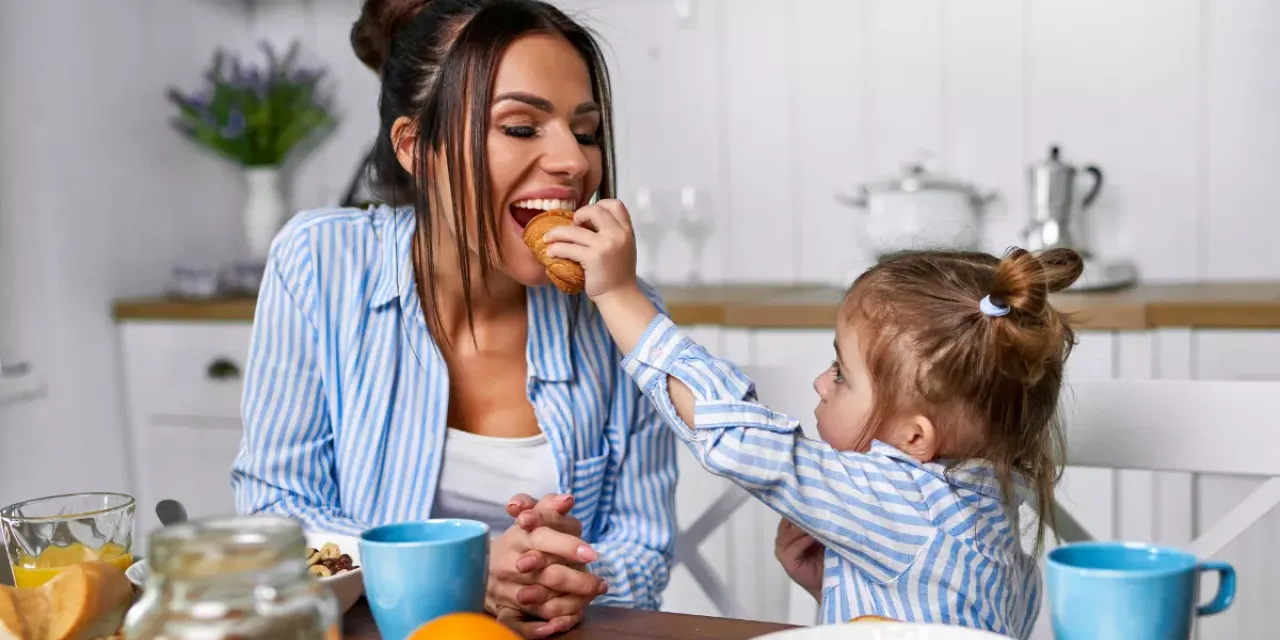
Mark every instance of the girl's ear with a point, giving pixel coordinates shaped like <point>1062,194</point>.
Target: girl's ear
<point>915,436</point>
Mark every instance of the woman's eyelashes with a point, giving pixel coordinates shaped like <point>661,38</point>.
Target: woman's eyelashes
<point>519,131</point>
<point>528,131</point>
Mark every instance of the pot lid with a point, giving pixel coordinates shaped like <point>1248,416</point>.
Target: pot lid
<point>916,177</point>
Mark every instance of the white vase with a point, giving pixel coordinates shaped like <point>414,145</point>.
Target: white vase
<point>265,209</point>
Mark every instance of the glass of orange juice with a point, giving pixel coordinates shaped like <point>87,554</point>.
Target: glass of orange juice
<point>45,535</point>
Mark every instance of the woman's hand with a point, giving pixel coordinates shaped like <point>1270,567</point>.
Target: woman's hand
<point>801,556</point>
<point>603,243</point>
<point>537,569</point>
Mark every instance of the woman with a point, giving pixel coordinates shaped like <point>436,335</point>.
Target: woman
<point>412,361</point>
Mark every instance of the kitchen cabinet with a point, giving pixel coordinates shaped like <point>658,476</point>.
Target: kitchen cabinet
<point>183,405</point>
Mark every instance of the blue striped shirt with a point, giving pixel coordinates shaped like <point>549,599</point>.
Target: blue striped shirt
<point>907,540</point>
<point>346,397</point>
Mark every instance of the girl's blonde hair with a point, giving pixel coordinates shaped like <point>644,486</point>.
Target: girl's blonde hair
<point>932,349</point>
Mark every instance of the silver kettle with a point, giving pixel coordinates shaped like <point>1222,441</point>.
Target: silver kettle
<point>1054,219</point>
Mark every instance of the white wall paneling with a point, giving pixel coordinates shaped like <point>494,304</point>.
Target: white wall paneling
<point>983,98</point>
<point>758,127</point>
<point>1118,102</point>
<point>1241,139</point>
<point>830,137</point>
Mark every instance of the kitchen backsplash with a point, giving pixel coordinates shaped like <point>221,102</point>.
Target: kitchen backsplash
<point>769,108</point>
<point>774,106</point>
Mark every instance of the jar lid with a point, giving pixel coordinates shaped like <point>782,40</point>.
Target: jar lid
<point>223,546</point>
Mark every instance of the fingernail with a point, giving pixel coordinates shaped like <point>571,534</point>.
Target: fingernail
<point>545,629</point>
<point>525,565</point>
<point>586,554</point>
<point>602,589</point>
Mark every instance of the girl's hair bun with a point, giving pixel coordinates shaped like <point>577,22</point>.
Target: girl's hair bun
<point>1024,281</point>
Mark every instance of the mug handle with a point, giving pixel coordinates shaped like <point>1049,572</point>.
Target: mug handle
<point>1226,588</point>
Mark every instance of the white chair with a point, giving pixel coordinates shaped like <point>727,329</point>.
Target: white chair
<point>1199,427</point>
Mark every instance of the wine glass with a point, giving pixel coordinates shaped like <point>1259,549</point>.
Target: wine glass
<point>697,222</point>
<point>651,229</point>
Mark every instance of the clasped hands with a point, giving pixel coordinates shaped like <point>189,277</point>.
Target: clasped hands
<point>538,582</point>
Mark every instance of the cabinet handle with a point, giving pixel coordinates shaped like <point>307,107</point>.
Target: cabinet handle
<point>222,369</point>
<point>11,368</point>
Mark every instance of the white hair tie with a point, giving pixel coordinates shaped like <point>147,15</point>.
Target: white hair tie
<point>991,308</point>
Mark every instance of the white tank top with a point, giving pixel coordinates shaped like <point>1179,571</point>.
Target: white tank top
<point>480,474</point>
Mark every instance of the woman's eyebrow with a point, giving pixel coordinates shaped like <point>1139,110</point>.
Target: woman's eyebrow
<point>542,104</point>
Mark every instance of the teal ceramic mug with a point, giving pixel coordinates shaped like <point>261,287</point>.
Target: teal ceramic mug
<point>1127,591</point>
<point>415,572</point>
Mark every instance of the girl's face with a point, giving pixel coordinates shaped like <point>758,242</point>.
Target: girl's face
<point>542,146</point>
<point>845,395</point>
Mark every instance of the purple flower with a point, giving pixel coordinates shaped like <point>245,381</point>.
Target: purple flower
<point>235,125</point>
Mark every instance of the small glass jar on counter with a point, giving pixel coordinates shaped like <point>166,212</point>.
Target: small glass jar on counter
<point>242,578</point>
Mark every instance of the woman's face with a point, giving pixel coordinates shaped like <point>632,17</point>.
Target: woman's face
<point>542,146</point>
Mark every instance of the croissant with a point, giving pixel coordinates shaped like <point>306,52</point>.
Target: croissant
<point>872,618</point>
<point>567,275</point>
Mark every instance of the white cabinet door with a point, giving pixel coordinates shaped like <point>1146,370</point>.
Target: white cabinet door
<point>190,464</point>
<point>184,390</point>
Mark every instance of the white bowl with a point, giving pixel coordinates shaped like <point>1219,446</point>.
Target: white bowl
<point>347,588</point>
<point>882,631</point>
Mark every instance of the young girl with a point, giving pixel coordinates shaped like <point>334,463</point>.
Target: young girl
<point>937,417</point>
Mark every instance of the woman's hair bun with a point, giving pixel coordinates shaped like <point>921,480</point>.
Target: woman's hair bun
<point>379,20</point>
<point>1024,280</point>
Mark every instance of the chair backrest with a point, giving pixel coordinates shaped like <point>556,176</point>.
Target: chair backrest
<point>1194,426</point>
<point>1198,427</point>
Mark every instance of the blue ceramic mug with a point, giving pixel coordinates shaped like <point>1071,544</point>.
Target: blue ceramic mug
<point>415,572</point>
<point>1115,590</point>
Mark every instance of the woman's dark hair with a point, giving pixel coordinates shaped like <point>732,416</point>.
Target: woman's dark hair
<point>437,60</point>
<point>930,348</point>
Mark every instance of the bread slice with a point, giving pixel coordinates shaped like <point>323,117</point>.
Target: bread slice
<point>85,601</point>
<point>13,622</point>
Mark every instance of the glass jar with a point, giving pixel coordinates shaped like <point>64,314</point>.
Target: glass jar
<point>239,578</point>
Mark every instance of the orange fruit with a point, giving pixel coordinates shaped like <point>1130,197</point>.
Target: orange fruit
<point>463,626</point>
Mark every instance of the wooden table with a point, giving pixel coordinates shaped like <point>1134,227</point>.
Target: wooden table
<point>610,623</point>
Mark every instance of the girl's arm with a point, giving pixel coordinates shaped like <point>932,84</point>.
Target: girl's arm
<point>866,507</point>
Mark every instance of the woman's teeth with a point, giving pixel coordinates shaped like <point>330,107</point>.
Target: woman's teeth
<point>542,204</point>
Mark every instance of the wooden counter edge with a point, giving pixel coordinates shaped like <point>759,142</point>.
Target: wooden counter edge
<point>779,307</point>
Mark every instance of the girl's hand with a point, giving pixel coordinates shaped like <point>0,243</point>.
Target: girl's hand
<point>538,582</point>
<point>801,556</point>
<point>603,243</point>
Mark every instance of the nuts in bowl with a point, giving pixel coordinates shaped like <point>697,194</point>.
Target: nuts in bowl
<point>334,559</point>
<point>329,560</point>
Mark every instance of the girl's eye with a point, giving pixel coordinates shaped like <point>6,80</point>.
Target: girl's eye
<point>835,371</point>
<point>519,131</point>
